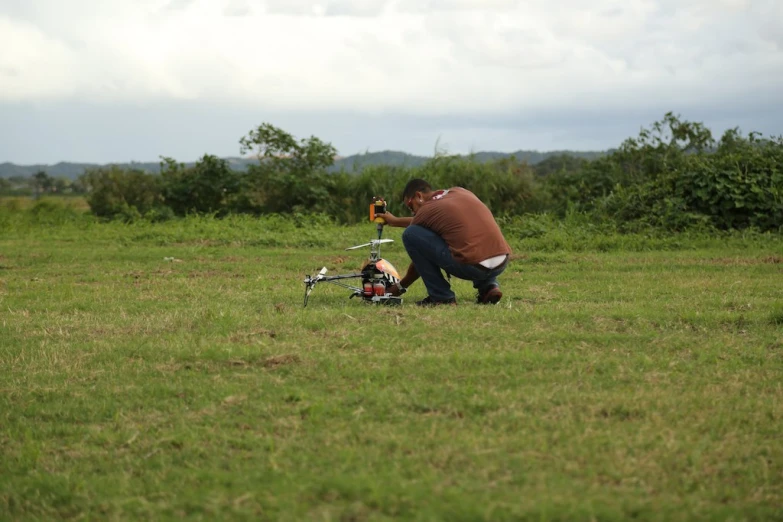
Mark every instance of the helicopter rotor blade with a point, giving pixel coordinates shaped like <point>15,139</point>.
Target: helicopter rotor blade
<point>358,246</point>
<point>371,243</point>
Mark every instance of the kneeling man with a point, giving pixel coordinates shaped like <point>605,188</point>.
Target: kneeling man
<point>453,231</point>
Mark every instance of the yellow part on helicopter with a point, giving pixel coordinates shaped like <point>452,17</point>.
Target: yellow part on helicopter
<point>377,209</point>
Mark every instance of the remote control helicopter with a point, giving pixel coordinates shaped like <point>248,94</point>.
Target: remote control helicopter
<point>377,275</point>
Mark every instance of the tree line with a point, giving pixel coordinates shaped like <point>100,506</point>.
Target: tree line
<point>40,183</point>
<point>673,175</point>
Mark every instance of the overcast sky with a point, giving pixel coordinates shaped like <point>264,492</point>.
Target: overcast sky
<point>120,80</point>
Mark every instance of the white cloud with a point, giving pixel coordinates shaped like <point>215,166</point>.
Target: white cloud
<point>30,45</point>
<point>365,8</point>
<point>413,56</point>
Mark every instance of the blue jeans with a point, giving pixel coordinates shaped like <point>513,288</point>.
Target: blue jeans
<point>430,254</point>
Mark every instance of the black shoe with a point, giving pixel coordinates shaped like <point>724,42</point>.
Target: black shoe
<point>491,296</point>
<point>428,301</point>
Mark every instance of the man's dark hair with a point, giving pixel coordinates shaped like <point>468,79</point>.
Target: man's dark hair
<point>415,185</point>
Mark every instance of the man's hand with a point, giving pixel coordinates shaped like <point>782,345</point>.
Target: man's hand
<point>396,290</point>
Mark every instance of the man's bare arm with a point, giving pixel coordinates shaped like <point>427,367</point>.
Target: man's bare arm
<point>394,221</point>
<point>410,276</point>
<point>408,279</point>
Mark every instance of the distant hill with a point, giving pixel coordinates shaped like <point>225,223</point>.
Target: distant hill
<point>353,163</point>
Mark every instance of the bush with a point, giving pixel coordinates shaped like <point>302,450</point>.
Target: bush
<point>740,186</point>
<point>674,176</point>
<point>115,193</point>
<point>737,186</point>
<point>206,188</point>
<point>291,175</point>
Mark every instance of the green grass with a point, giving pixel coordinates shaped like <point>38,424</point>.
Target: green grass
<point>621,377</point>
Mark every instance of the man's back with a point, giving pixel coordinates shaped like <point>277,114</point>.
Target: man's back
<point>465,223</point>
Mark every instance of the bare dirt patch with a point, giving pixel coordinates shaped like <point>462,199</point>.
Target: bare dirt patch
<point>280,360</point>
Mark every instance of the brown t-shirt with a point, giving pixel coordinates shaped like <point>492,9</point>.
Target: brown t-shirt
<point>464,223</point>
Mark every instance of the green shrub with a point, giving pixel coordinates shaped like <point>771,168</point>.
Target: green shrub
<point>674,176</point>
<point>739,186</point>
<point>116,193</point>
<point>207,187</point>
<point>290,177</point>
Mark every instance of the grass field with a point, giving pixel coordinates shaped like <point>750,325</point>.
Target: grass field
<point>162,371</point>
